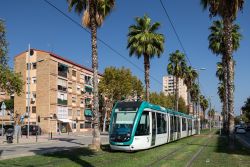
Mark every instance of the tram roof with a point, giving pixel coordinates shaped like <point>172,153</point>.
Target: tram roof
<point>163,109</point>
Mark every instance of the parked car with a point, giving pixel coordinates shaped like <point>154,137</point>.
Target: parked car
<point>33,130</point>
<point>240,130</point>
<point>6,127</point>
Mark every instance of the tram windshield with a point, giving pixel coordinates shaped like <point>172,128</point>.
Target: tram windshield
<point>123,121</point>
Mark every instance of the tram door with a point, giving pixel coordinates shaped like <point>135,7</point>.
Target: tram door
<point>153,128</point>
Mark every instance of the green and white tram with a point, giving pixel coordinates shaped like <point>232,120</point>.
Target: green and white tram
<point>141,125</point>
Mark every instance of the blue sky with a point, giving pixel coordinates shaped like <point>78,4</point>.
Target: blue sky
<point>39,24</point>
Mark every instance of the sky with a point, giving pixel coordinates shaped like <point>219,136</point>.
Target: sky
<point>36,23</point>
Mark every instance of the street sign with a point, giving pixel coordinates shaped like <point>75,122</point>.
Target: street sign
<point>3,106</point>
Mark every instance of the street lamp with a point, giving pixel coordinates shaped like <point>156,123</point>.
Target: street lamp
<point>198,112</point>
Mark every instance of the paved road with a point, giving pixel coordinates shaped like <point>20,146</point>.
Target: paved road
<point>244,138</point>
<point>58,144</point>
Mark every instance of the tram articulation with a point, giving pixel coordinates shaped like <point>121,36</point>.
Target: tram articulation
<point>141,125</point>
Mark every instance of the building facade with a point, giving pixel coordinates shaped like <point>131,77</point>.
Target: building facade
<point>57,92</point>
<point>169,82</point>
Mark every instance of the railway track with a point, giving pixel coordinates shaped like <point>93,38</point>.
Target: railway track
<point>182,147</point>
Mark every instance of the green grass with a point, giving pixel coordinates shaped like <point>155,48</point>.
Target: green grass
<point>215,154</point>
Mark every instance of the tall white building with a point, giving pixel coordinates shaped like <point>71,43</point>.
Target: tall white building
<point>168,87</point>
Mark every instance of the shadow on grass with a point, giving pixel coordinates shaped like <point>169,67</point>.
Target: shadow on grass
<point>223,146</point>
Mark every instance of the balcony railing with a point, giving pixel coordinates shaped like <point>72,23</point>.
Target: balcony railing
<point>62,102</point>
<point>62,74</point>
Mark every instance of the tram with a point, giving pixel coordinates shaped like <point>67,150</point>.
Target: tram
<point>141,125</point>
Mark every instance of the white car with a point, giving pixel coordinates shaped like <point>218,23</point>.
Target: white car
<point>240,130</point>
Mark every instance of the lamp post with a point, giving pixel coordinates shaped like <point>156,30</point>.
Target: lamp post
<point>198,112</point>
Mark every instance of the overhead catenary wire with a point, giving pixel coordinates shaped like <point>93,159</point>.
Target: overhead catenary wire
<point>101,40</point>
<point>178,38</point>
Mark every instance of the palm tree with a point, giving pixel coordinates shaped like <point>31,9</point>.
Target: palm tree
<point>204,106</point>
<point>190,76</point>
<point>194,94</point>
<point>143,40</point>
<point>227,10</point>
<point>217,46</point>
<point>94,13</point>
<point>211,114</point>
<point>176,67</point>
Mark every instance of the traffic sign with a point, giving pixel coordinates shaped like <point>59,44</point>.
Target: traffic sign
<point>3,106</point>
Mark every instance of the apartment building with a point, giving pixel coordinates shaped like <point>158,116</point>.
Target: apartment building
<point>168,87</point>
<point>58,91</point>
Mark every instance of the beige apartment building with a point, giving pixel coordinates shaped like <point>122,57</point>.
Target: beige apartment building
<point>58,90</point>
<point>168,87</point>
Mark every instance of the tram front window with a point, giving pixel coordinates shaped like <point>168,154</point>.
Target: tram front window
<point>122,125</point>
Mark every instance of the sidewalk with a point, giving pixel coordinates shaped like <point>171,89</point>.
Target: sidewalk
<point>45,138</point>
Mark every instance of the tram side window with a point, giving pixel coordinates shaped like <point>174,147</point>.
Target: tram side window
<point>189,124</point>
<point>161,123</point>
<point>178,124</point>
<point>175,124</point>
<point>184,124</point>
<point>143,125</point>
<point>172,124</point>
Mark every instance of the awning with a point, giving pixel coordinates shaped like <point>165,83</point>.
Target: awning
<point>65,120</point>
<point>88,88</point>
<point>88,112</point>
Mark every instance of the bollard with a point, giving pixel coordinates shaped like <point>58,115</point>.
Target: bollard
<point>50,135</point>
<point>17,140</point>
<point>36,136</point>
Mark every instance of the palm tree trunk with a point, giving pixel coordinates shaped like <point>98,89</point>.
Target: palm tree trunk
<point>188,100</point>
<point>146,69</point>
<point>225,102</point>
<point>177,94</point>
<point>96,122</point>
<point>228,51</point>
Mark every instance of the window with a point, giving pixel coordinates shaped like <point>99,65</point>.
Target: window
<point>73,125</point>
<point>28,66</point>
<point>73,99</point>
<point>73,73</point>
<point>33,109</point>
<point>33,66</point>
<point>27,110</point>
<point>62,70</point>
<point>78,89</point>
<point>82,100</point>
<point>62,84</point>
<point>78,112</point>
<point>62,98</point>
<point>81,126</point>
<point>28,80</point>
<point>143,126</point>
<point>34,80</point>
<point>88,80</point>
<point>70,112</point>
<point>87,124</point>
<point>184,124</point>
<point>82,76</point>
<point>161,123</point>
<point>189,124</point>
<point>172,124</point>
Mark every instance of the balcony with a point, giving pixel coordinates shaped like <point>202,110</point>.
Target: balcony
<point>62,88</point>
<point>62,74</point>
<point>62,102</point>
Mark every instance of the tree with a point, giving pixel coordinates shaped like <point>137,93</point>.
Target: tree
<point>246,110</point>
<point>161,100</point>
<point>190,76</point>
<point>204,106</point>
<point>176,67</point>
<point>228,11</point>
<point>211,114</point>
<point>143,40</point>
<point>117,84</point>
<point>217,46</point>
<point>3,45</point>
<point>182,107</point>
<point>93,14</point>
<point>10,82</point>
<point>194,94</point>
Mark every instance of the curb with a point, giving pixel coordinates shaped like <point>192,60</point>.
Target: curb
<point>242,141</point>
